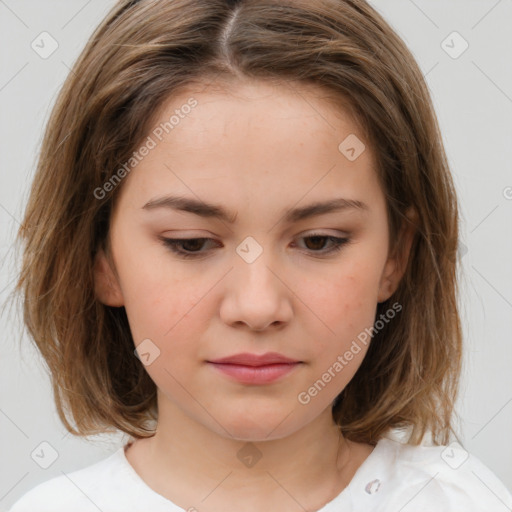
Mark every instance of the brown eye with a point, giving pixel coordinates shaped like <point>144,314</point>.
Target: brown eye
<point>317,243</point>
<point>191,247</point>
<point>186,247</point>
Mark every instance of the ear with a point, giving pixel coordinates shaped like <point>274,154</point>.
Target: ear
<point>106,283</point>
<point>396,264</point>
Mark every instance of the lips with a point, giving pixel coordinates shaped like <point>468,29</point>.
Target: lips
<point>248,359</point>
<point>255,369</point>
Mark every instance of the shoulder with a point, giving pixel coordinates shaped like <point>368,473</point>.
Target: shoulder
<point>79,490</point>
<point>441,478</point>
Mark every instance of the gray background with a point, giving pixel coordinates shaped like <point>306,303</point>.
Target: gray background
<point>473,99</point>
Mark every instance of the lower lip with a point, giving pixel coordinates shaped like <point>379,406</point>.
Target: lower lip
<point>256,374</point>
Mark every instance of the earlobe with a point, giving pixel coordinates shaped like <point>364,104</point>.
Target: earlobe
<point>397,263</point>
<point>388,283</point>
<point>106,285</point>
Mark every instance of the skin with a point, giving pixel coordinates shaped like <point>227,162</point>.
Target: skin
<point>256,149</point>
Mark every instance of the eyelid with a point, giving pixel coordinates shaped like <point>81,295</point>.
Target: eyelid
<point>187,235</point>
<point>338,243</point>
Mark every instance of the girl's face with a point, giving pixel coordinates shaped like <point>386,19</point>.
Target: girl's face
<point>264,274</point>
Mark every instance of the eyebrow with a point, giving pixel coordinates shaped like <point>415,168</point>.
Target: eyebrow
<point>214,211</point>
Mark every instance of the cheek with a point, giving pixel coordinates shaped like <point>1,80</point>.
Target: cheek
<point>344,308</point>
<point>345,305</point>
<point>164,309</point>
<point>346,302</point>
<point>159,298</point>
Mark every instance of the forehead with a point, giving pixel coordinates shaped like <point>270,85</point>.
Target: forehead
<point>274,142</point>
<point>293,109</point>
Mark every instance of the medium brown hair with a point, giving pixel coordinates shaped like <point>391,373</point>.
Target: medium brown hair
<point>145,52</point>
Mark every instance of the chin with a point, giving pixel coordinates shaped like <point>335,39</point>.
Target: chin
<point>257,426</point>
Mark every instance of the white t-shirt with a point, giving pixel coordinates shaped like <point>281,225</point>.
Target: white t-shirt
<point>394,477</point>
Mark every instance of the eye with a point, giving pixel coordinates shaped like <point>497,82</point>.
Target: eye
<point>191,247</point>
<point>318,240</point>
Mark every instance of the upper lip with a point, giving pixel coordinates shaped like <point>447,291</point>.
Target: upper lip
<point>248,359</point>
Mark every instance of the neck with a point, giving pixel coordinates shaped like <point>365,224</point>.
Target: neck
<point>188,463</point>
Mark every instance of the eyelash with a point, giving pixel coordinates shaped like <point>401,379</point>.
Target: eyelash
<point>174,243</point>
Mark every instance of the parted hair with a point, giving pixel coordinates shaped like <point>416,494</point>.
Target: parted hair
<point>142,54</point>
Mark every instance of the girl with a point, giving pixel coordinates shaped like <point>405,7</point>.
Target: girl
<point>240,250</point>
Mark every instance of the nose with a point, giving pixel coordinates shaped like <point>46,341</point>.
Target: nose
<point>256,296</point>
